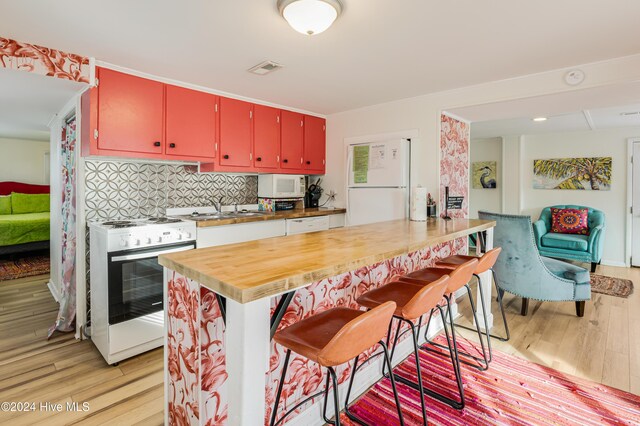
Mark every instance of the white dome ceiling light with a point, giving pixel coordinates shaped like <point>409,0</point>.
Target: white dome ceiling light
<point>310,17</point>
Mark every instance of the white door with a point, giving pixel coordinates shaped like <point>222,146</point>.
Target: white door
<point>371,205</point>
<point>635,224</point>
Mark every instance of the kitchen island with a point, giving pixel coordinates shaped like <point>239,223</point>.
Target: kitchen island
<point>223,305</point>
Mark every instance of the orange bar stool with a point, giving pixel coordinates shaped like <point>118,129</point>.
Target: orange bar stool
<point>458,278</point>
<point>412,303</point>
<point>485,263</point>
<point>332,338</point>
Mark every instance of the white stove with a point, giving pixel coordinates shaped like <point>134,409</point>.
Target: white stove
<point>127,295</point>
<point>148,232</point>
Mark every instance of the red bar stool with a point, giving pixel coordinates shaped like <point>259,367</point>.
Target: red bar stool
<point>413,301</point>
<point>332,338</point>
<point>485,263</point>
<point>459,277</point>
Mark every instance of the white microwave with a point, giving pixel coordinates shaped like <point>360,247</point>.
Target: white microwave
<point>281,186</point>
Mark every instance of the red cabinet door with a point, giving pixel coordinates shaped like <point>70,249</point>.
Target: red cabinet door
<point>190,123</point>
<point>130,113</point>
<point>314,144</point>
<point>291,150</point>
<point>266,137</point>
<point>235,132</point>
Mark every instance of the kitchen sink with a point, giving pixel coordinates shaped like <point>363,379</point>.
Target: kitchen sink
<point>223,215</point>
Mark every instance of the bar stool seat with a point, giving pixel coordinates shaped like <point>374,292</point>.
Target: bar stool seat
<point>309,336</point>
<point>335,337</point>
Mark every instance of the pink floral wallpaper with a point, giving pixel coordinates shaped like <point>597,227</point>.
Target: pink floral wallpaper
<point>42,60</point>
<point>196,388</point>
<point>182,351</point>
<point>65,321</point>
<point>454,162</point>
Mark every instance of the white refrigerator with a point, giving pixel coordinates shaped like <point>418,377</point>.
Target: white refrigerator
<point>378,181</point>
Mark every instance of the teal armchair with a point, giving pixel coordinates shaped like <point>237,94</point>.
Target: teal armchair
<point>520,269</point>
<point>583,248</point>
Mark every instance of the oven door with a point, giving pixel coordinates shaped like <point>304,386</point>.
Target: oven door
<point>136,281</point>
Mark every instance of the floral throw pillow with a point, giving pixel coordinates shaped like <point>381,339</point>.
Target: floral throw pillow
<point>569,221</point>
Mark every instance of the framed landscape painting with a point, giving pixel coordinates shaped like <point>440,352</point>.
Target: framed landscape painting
<point>483,174</point>
<point>589,173</point>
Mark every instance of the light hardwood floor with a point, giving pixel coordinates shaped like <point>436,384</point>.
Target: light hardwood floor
<point>604,346</point>
<point>61,370</point>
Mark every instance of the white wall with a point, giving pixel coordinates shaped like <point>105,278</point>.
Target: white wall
<point>598,143</point>
<point>486,199</point>
<point>422,115</point>
<point>23,160</point>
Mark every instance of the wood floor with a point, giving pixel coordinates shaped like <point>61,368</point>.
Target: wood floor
<point>63,370</point>
<point>604,346</point>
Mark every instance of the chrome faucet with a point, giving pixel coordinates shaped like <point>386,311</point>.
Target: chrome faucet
<point>235,207</point>
<point>218,204</point>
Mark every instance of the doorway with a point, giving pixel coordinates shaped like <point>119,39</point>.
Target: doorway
<point>635,202</point>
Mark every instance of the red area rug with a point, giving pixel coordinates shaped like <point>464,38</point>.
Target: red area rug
<point>512,392</point>
<point>24,267</point>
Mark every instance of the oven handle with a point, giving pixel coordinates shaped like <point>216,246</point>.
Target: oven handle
<point>152,254</point>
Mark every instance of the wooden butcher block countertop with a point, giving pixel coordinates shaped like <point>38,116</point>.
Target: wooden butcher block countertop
<point>284,214</point>
<point>249,271</point>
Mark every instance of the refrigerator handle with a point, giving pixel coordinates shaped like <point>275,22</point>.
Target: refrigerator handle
<point>348,184</point>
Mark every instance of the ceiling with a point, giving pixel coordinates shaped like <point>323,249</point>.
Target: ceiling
<point>581,110</point>
<point>377,51</point>
<point>29,101</point>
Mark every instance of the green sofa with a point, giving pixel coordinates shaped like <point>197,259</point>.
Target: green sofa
<point>583,248</point>
<point>24,222</point>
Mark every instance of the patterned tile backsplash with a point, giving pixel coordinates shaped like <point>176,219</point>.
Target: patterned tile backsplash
<point>128,190</point>
<point>123,190</point>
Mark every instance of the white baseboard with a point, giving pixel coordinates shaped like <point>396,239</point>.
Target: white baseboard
<point>54,291</point>
<point>614,263</point>
<point>367,377</point>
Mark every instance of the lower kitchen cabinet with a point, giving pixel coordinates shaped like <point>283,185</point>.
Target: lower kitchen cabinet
<point>209,236</point>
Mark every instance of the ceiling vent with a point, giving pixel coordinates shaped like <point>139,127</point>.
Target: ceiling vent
<point>265,68</point>
<point>630,113</point>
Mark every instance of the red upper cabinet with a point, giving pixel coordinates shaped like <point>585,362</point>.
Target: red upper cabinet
<point>266,137</point>
<point>190,123</point>
<point>291,150</point>
<point>235,133</point>
<point>130,113</point>
<point>314,144</point>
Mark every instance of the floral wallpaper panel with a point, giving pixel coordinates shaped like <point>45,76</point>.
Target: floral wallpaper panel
<point>41,60</point>
<point>183,350</point>
<point>67,312</point>
<point>454,162</point>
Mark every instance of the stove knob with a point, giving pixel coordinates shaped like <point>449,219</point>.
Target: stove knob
<point>188,234</point>
<point>124,243</point>
<point>138,241</point>
<point>179,235</point>
<point>159,239</point>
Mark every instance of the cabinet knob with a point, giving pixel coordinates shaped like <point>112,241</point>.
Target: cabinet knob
<point>226,157</point>
<point>156,143</point>
<point>172,145</point>
<point>259,159</point>
<point>308,162</point>
<point>285,161</point>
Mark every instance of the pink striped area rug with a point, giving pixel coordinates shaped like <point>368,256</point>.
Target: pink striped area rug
<point>512,392</point>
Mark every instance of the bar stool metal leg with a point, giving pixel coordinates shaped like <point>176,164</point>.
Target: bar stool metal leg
<point>386,361</point>
<point>280,385</point>
<point>484,360</point>
<point>336,402</point>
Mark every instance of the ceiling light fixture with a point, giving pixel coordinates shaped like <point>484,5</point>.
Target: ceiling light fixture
<point>539,119</point>
<point>310,17</point>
